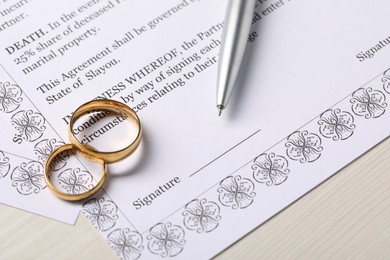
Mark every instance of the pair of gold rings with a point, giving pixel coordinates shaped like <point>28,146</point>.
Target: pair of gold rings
<point>90,152</point>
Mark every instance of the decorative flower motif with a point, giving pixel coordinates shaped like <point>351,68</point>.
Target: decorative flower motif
<point>303,147</point>
<point>236,192</point>
<point>201,215</point>
<point>368,103</point>
<point>336,124</point>
<point>28,178</point>
<point>30,125</point>
<point>75,181</point>
<point>101,212</point>
<point>270,169</point>
<point>10,97</point>
<point>127,244</point>
<point>166,239</point>
<point>45,147</point>
<point>386,81</point>
<point>4,165</point>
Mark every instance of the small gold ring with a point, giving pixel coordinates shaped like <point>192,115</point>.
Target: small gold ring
<point>67,196</point>
<point>111,106</point>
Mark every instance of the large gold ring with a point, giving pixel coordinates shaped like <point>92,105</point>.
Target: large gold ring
<point>67,196</point>
<point>111,106</point>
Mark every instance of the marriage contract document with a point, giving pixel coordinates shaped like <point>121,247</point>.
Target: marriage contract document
<point>311,97</point>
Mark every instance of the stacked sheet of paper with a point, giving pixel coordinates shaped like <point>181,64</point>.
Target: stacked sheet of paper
<point>311,97</point>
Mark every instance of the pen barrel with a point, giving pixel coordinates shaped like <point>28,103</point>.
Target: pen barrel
<point>237,24</point>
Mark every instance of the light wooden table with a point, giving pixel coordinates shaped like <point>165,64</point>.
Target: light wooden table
<point>347,217</point>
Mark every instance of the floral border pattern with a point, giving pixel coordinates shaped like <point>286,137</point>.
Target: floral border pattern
<point>270,169</point>
<point>368,102</point>
<point>236,192</point>
<point>102,213</point>
<point>336,124</point>
<point>166,239</point>
<point>10,97</point>
<point>303,146</point>
<point>31,127</point>
<point>204,214</point>
<point>28,178</point>
<point>4,165</point>
<point>126,243</point>
<point>200,215</point>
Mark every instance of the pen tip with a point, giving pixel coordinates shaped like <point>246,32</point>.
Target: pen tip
<point>220,108</point>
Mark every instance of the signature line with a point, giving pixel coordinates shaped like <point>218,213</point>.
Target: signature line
<point>225,152</point>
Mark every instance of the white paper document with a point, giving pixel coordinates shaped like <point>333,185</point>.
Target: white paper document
<point>312,96</point>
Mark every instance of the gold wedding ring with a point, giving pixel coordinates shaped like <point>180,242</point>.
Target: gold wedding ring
<point>68,196</point>
<point>111,106</point>
<point>90,152</point>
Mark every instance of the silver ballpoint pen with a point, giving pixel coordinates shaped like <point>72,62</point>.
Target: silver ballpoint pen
<point>237,24</point>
